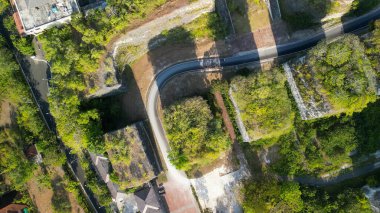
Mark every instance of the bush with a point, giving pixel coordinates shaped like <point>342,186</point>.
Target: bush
<point>344,72</point>
<point>265,107</point>
<point>195,137</point>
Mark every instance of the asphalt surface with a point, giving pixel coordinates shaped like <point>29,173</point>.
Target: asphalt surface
<point>201,65</point>
<point>356,172</point>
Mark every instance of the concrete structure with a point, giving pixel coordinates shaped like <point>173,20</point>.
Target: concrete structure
<point>34,16</point>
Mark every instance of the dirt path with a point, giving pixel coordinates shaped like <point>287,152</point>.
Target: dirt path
<point>226,117</point>
<point>6,114</point>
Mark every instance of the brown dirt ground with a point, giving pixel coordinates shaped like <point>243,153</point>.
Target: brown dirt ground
<point>5,114</point>
<point>42,196</point>
<point>228,160</point>
<point>167,8</point>
<point>145,68</point>
<point>255,17</point>
<point>226,117</point>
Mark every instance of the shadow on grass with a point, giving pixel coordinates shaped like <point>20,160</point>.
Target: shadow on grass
<point>60,199</point>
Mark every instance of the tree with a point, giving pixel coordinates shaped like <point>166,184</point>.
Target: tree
<point>342,73</point>
<point>195,137</point>
<point>265,107</point>
<point>4,4</point>
<point>291,195</point>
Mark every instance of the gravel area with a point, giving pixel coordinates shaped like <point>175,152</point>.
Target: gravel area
<point>219,190</point>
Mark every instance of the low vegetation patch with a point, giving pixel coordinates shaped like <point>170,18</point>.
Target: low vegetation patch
<point>264,104</point>
<point>336,77</point>
<point>195,137</point>
<point>271,195</point>
<point>125,148</point>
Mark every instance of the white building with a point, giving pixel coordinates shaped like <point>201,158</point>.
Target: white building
<point>34,16</point>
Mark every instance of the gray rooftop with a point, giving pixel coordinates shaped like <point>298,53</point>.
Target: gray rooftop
<point>35,13</point>
<point>147,201</point>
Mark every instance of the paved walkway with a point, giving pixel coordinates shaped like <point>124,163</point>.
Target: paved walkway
<point>179,196</point>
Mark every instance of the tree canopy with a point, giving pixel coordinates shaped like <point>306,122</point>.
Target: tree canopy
<point>271,195</point>
<point>195,137</point>
<point>265,107</point>
<point>343,73</point>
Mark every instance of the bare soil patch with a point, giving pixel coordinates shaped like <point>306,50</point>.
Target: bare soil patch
<point>167,8</point>
<point>248,16</point>
<point>227,160</point>
<point>143,70</point>
<point>42,196</point>
<point>6,114</point>
<point>226,118</point>
<point>190,84</point>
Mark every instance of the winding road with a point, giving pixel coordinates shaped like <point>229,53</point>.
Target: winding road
<point>204,64</point>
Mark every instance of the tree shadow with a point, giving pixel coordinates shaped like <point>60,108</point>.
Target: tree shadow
<point>301,14</point>
<point>60,199</point>
<point>360,7</point>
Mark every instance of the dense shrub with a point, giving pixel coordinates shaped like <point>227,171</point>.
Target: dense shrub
<point>264,104</point>
<point>195,137</point>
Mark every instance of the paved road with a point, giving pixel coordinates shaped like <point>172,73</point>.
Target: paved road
<point>356,172</point>
<point>253,56</point>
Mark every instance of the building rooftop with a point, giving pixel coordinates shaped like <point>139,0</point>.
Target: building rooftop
<point>147,201</point>
<point>35,13</point>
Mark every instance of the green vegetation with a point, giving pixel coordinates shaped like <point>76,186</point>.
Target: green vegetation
<point>340,74</point>
<point>196,137</point>
<point>74,51</point>
<point>4,5</point>
<point>75,126</point>
<point>344,72</point>
<point>93,181</point>
<point>27,128</point>
<point>265,107</point>
<point>60,199</point>
<point>131,167</point>
<point>30,127</point>
<point>306,14</point>
<point>336,77</point>
<point>360,7</point>
<point>22,44</point>
<point>373,47</point>
<point>322,146</point>
<point>299,20</point>
<point>270,195</point>
<point>208,25</point>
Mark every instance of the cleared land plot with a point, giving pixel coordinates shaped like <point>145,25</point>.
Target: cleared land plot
<point>265,108</point>
<point>51,195</point>
<point>333,78</point>
<point>206,26</point>
<point>126,151</point>
<point>248,15</point>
